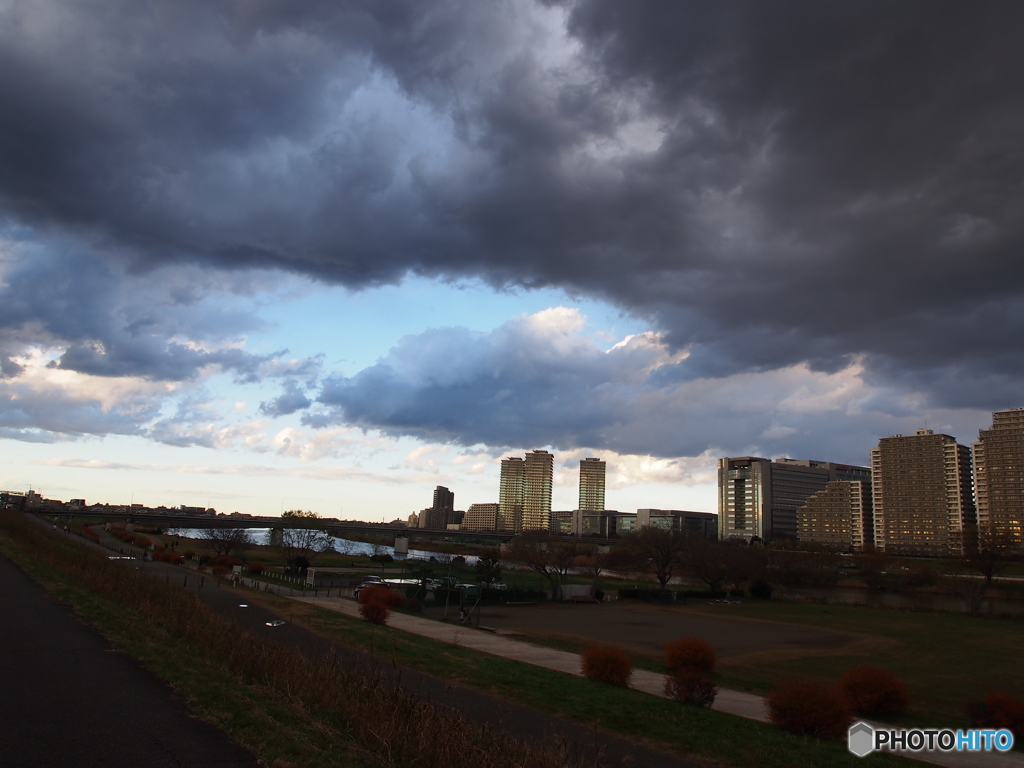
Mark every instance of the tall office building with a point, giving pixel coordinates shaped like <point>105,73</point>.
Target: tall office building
<point>441,512</point>
<point>510,494</point>
<point>759,498</point>
<point>537,480</point>
<point>839,516</point>
<point>592,472</point>
<point>999,478</point>
<point>922,491</point>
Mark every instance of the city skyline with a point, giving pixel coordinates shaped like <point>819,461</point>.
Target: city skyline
<point>326,256</point>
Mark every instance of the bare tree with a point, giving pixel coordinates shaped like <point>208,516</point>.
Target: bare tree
<point>658,551</point>
<point>543,555</point>
<point>301,545</point>
<point>971,588</point>
<point>988,552</point>
<point>593,561</point>
<point>224,541</point>
<point>713,562</point>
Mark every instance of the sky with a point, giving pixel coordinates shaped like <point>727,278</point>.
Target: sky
<point>263,255</point>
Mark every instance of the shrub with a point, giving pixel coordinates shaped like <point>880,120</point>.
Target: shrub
<point>606,664</point>
<point>691,688</point>
<point>376,603</point>
<point>219,570</point>
<point>999,710</point>
<point>761,589</point>
<point>690,654</point>
<point>872,691</point>
<point>374,612</point>
<point>810,707</point>
<point>188,554</point>
<point>227,562</point>
<point>256,568</point>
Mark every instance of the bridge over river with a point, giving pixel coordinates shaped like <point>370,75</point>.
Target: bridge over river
<point>335,527</point>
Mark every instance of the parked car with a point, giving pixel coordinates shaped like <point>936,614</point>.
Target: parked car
<point>371,580</point>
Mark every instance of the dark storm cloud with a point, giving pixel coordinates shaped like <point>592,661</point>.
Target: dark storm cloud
<point>111,325</point>
<point>770,183</point>
<point>540,381</point>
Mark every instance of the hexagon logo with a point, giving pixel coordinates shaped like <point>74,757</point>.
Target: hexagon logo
<point>861,739</point>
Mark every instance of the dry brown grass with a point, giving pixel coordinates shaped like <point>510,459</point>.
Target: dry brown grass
<point>382,718</point>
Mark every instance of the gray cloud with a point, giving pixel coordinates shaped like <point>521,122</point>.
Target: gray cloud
<point>769,183</point>
<point>291,400</point>
<point>110,324</point>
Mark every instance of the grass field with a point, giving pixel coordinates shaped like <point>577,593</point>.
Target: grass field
<point>947,659</point>
<point>715,736</point>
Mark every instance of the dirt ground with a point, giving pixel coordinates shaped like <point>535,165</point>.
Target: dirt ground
<point>648,628</point>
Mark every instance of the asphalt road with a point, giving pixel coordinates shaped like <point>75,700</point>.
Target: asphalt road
<point>68,699</point>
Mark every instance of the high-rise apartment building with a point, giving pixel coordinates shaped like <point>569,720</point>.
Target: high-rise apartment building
<point>923,496</point>
<point>999,478</point>
<point>839,516</point>
<point>510,494</point>
<point>442,512</point>
<point>592,472</point>
<point>759,498</point>
<point>538,475</point>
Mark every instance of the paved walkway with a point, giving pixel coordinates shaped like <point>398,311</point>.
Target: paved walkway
<point>732,702</point>
<point>68,699</point>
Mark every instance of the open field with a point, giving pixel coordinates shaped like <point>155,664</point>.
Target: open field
<point>947,659</point>
<point>648,629</point>
<point>721,738</point>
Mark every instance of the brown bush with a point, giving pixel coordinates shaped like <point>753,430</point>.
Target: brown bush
<point>256,567</point>
<point>691,688</point>
<point>227,562</point>
<point>386,596</point>
<point>376,603</point>
<point>219,570</point>
<point>188,554</point>
<point>374,612</point>
<point>607,664</point>
<point>811,707</point>
<point>690,654</point>
<point>869,690</point>
<point>141,541</point>
<point>999,710</point>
